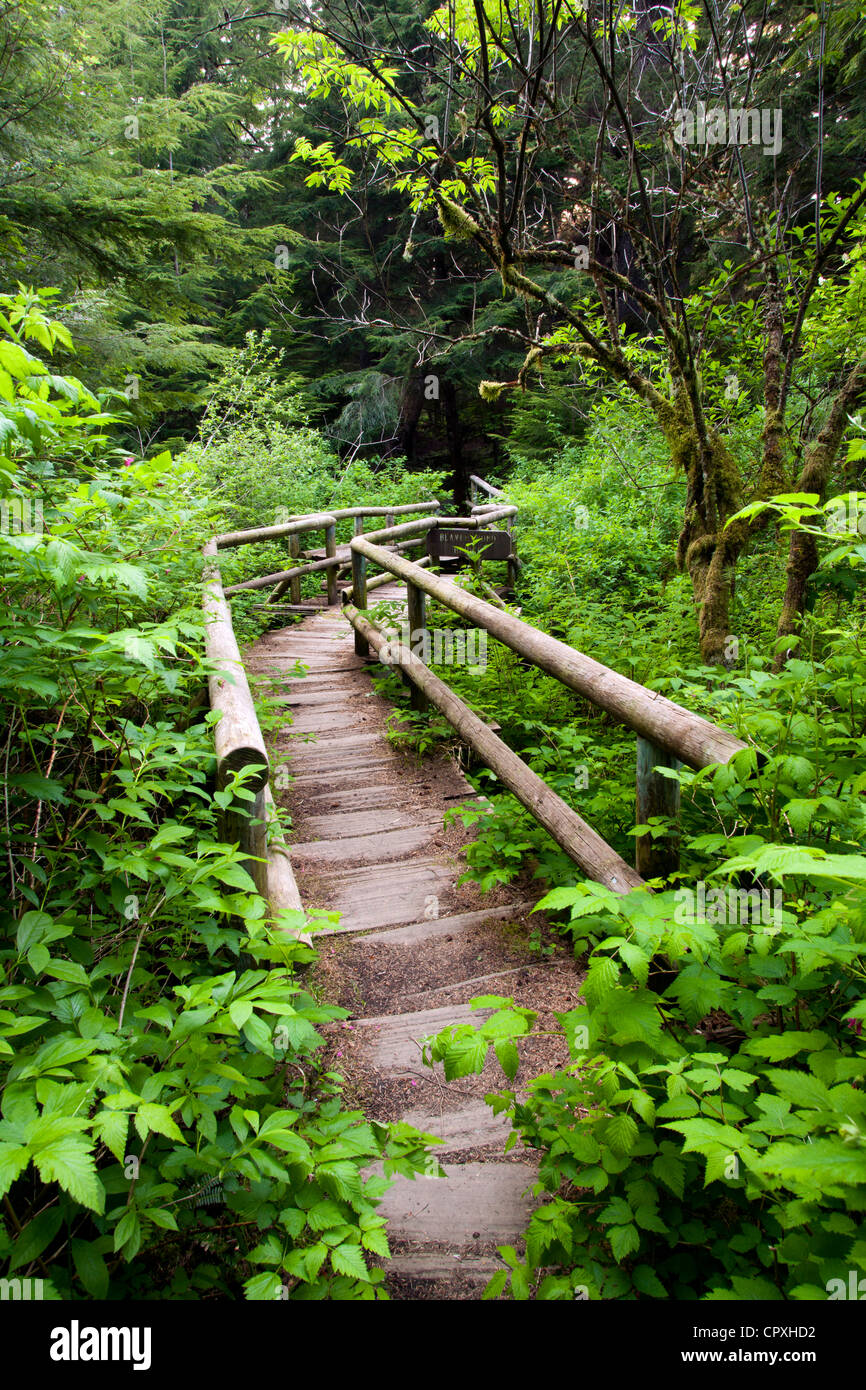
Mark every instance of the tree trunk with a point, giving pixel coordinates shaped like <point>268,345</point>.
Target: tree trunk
<point>411,407</point>
<point>455,441</point>
<point>803,560</point>
<point>705,550</point>
<point>803,554</point>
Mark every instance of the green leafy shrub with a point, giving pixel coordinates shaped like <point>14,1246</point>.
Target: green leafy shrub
<point>166,1129</point>
<point>708,1141</point>
<point>256,452</point>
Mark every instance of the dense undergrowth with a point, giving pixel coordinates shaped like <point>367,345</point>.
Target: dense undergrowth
<point>257,456</point>
<point>166,1128</point>
<point>708,1137</point>
<point>474,234</point>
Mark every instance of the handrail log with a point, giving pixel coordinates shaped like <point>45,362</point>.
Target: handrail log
<point>497,511</point>
<point>284,577</point>
<point>690,737</point>
<point>237,737</point>
<point>488,487</point>
<point>593,854</point>
<point>283,893</point>
<point>264,581</point>
<point>408,528</point>
<point>402,510</point>
<point>379,579</point>
<point>314,521</point>
<point>344,546</point>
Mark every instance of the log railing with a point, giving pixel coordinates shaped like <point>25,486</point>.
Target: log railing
<point>666,733</point>
<point>330,564</point>
<point>475,483</point>
<point>238,739</point>
<point>486,511</point>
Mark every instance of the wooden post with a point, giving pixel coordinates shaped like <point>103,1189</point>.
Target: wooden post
<point>359,525</point>
<point>295,552</point>
<point>331,574</point>
<point>389,519</point>
<point>359,597</point>
<point>511,564</point>
<point>656,796</point>
<point>417,618</point>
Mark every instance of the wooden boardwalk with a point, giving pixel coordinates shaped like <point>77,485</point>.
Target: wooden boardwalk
<point>411,949</point>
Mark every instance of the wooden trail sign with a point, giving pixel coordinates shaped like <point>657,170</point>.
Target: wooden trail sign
<point>451,542</point>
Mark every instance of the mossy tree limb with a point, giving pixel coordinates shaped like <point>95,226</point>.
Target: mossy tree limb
<point>803,554</point>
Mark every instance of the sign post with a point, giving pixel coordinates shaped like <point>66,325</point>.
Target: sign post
<point>460,542</point>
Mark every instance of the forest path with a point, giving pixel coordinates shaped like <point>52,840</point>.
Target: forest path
<point>411,949</point>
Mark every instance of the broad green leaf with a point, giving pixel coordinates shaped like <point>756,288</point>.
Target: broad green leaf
<point>14,1158</point>
<point>508,1057</point>
<point>671,1171</point>
<point>112,1126</point>
<point>90,1267</point>
<point>647,1282</point>
<point>157,1118</point>
<point>349,1259</point>
<point>69,1162</point>
<point>36,1236</point>
<point>624,1241</point>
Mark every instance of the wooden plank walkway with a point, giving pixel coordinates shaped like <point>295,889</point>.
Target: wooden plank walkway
<point>411,949</point>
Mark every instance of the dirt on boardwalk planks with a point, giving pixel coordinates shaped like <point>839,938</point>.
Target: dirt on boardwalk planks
<point>412,948</point>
